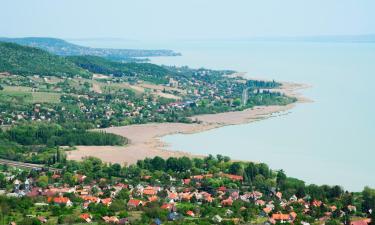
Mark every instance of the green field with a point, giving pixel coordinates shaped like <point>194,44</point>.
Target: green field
<point>26,95</point>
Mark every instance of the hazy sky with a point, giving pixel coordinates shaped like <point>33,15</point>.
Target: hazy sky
<point>185,19</point>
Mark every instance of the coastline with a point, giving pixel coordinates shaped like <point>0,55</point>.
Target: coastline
<point>145,139</point>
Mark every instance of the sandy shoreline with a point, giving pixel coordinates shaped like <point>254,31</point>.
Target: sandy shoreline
<point>145,139</point>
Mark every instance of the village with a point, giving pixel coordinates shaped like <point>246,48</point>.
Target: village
<point>157,197</point>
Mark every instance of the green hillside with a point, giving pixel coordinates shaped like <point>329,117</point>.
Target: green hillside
<point>17,59</point>
<point>144,71</point>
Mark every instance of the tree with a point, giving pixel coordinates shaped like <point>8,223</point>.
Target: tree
<point>42,181</point>
<point>372,216</point>
<point>236,168</point>
<point>280,179</point>
<point>158,163</point>
<point>368,199</point>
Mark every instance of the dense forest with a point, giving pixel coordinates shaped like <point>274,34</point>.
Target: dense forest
<point>17,59</point>
<point>144,71</point>
<point>39,142</point>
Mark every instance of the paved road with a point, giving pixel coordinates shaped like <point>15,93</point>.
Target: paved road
<point>25,165</point>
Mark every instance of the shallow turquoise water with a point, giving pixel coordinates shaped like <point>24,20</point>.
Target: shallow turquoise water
<point>329,141</point>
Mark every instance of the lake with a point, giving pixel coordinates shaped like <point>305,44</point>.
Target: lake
<point>329,141</point>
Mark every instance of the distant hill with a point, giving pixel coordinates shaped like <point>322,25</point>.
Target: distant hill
<point>64,48</point>
<point>144,71</point>
<point>22,60</point>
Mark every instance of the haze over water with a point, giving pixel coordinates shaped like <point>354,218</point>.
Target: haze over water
<point>329,141</point>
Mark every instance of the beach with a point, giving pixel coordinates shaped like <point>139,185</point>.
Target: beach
<point>145,139</point>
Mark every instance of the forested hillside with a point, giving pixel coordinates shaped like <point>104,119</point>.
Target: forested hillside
<point>21,60</point>
<point>64,48</point>
<point>145,71</point>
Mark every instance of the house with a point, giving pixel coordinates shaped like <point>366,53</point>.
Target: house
<point>186,181</point>
<point>260,202</point>
<point>333,208</point>
<point>61,200</point>
<point>110,219</point>
<point>233,177</point>
<point>352,208</point>
<point>361,222</point>
<point>86,217</point>
<point>172,196</point>
<point>267,210</point>
<point>134,203</point>
<point>217,219</point>
<point>222,189</point>
<point>106,201</point>
<point>190,213</point>
<point>123,221</point>
<point>173,216</point>
<point>316,203</point>
<point>153,198</point>
<point>293,198</point>
<point>42,219</point>
<point>284,217</point>
<point>227,202</point>
<point>149,191</point>
<point>167,206</point>
<point>90,199</point>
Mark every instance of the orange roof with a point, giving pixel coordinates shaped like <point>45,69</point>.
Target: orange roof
<point>361,222</point>
<point>190,213</point>
<point>106,201</point>
<point>90,198</point>
<point>134,202</point>
<point>267,210</point>
<point>279,216</point>
<point>61,200</point>
<point>227,201</point>
<point>222,188</point>
<point>149,192</point>
<point>85,216</point>
<point>153,198</point>
<point>166,206</point>
<point>186,196</point>
<point>293,215</point>
<point>198,177</point>
<point>233,177</point>
<point>316,203</point>
<point>172,195</point>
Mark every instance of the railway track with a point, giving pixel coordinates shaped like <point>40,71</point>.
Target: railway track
<point>27,165</point>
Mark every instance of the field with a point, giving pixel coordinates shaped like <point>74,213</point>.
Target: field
<point>26,95</point>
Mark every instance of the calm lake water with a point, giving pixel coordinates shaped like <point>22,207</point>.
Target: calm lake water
<point>329,141</point>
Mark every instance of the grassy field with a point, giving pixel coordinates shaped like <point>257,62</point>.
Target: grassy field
<point>26,95</point>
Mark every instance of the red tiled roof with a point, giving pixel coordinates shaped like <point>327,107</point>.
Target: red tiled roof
<point>267,210</point>
<point>106,201</point>
<point>233,177</point>
<point>227,202</point>
<point>149,192</point>
<point>190,213</point>
<point>222,188</point>
<point>279,216</point>
<point>361,222</point>
<point>61,200</point>
<point>134,202</point>
<point>166,206</point>
<point>153,198</point>
<point>85,216</point>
